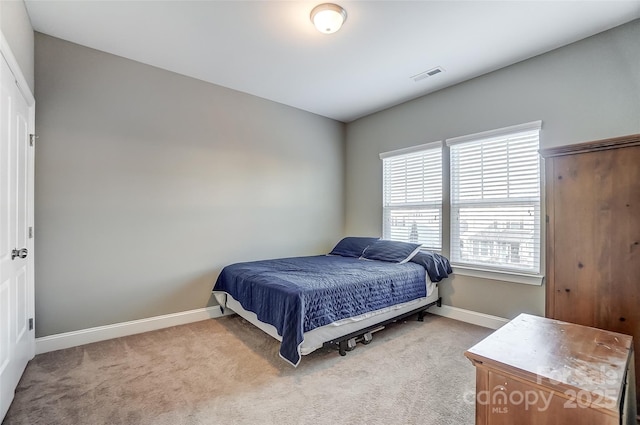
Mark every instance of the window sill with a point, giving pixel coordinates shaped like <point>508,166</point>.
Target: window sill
<point>527,279</point>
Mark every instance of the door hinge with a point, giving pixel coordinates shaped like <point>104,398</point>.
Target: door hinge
<point>31,324</point>
<point>32,139</point>
<point>547,218</point>
<point>30,232</point>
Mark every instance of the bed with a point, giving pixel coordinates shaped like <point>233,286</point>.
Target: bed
<point>338,298</point>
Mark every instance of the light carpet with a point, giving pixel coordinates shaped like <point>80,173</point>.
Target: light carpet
<point>226,371</point>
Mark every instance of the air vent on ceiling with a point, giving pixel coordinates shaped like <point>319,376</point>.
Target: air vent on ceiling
<point>425,74</point>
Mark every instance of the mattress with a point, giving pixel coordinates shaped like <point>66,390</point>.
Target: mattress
<point>315,338</point>
<point>298,295</point>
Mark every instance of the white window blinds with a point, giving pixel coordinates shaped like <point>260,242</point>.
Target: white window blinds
<point>495,200</point>
<point>412,195</point>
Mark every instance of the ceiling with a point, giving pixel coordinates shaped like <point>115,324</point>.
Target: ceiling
<point>270,48</point>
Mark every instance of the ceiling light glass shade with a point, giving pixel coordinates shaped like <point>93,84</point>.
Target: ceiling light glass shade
<point>328,17</point>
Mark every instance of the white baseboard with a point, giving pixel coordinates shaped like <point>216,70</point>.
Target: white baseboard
<point>101,333</point>
<point>117,330</point>
<point>473,317</point>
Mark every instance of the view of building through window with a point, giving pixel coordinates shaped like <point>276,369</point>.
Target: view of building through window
<point>504,240</point>
<point>415,225</point>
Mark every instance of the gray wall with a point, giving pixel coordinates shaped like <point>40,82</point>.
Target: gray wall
<point>585,91</point>
<point>16,28</point>
<point>148,183</point>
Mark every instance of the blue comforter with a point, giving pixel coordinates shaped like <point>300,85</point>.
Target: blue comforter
<point>296,295</point>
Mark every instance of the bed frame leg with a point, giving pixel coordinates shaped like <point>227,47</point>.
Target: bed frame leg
<point>347,345</point>
<point>423,312</point>
<point>342,348</point>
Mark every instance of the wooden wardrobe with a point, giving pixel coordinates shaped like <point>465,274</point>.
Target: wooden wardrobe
<point>593,236</point>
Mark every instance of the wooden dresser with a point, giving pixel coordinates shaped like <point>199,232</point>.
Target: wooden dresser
<point>539,371</point>
<point>593,235</point>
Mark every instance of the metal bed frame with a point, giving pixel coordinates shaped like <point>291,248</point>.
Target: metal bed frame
<point>348,342</point>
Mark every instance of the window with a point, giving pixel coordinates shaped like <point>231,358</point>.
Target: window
<point>412,195</point>
<point>495,200</point>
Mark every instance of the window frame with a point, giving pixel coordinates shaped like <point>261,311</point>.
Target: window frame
<point>488,271</point>
<point>436,205</point>
<point>479,271</point>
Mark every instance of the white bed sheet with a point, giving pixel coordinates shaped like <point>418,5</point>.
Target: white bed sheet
<point>315,338</point>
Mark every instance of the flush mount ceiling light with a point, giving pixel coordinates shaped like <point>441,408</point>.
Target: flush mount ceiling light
<point>328,17</point>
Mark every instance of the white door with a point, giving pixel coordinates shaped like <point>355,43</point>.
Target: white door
<point>17,338</point>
